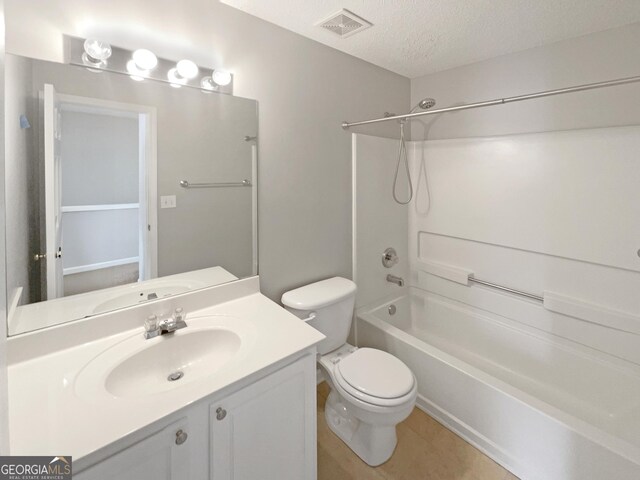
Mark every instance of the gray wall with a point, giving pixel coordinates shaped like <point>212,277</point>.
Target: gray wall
<point>4,411</point>
<point>600,56</point>
<point>305,91</point>
<point>98,279</point>
<point>20,149</point>
<point>100,163</point>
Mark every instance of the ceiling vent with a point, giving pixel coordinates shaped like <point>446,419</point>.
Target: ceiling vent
<point>344,23</point>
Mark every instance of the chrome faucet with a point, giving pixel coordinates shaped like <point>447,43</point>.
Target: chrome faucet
<point>154,327</point>
<point>397,280</point>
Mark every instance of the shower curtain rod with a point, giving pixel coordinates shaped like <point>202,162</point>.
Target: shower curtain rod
<point>500,101</point>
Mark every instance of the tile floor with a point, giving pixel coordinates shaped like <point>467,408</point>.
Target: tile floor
<point>426,451</point>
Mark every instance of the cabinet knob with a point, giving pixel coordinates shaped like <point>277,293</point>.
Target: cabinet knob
<point>181,437</point>
<point>221,413</point>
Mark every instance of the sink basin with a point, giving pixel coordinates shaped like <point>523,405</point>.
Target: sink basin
<point>136,368</point>
<point>171,361</point>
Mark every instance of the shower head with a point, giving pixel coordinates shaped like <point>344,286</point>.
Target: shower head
<point>424,104</point>
<point>427,103</point>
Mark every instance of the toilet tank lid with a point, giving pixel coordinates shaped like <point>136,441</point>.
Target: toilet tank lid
<point>319,294</point>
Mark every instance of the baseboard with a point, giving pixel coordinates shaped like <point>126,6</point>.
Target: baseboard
<point>470,435</point>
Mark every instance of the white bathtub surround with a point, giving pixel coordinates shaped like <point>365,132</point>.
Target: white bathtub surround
<point>67,393</point>
<point>548,387</point>
<point>378,221</point>
<point>538,213</point>
<point>544,408</point>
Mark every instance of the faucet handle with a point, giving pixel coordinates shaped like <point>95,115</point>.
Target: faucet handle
<point>151,327</point>
<point>151,323</point>
<point>390,257</point>
<point>178,314</point>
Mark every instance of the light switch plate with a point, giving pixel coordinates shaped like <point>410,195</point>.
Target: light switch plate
<point>168,201</point>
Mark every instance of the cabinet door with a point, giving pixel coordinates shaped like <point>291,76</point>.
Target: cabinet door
<point>158,457</point>
<point>267,431</point>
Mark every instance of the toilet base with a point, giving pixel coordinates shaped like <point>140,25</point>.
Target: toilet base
<point>372,443</point>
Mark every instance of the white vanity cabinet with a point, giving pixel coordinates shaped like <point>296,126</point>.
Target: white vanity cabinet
<point>263,431</point>
<point>267,431</point>
<point>161,456</point>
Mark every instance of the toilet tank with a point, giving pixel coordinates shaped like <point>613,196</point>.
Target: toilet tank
<point>331,301</point>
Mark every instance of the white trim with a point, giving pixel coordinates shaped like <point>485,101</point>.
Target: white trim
<point>13,301</point>
<point>100,265</point>
<point>354,206</point>
<point>52,194</point>
<point>97,208</point>
<point>354,224</point>
<point>149,161</point>
<point>254,207</point>
<point>75,103</point>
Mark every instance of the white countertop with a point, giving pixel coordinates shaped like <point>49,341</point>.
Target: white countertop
<point>47,415</point>
<point>32,316</point>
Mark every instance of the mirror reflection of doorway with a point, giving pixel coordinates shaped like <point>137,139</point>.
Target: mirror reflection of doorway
<point>100,198</point>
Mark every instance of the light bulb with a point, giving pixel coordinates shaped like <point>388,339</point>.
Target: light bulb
<point>175,79</point>
<point>134,72</point>
<point>145,59</point>
<point>207,84</point>
<point>97,50</point>
<point>187,69</point>
<point>221,77</point>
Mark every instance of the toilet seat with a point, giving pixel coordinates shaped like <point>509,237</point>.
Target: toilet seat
<point>375,377</point>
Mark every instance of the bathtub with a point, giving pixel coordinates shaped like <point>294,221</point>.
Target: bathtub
<point>543,408</point>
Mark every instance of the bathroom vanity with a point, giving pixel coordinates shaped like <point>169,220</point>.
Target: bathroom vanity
<point>230,396</point>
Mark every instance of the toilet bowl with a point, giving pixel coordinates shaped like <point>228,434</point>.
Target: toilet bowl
<point>371,391</point>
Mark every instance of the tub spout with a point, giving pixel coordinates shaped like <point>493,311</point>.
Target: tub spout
<point>397,280</point>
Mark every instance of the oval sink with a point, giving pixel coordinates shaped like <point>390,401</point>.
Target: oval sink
<point>171,361</point>
<point>135,367</point>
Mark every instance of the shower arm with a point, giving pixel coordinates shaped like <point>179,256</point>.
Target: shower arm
<point>500,101</point>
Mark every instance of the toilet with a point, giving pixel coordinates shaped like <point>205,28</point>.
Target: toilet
<point>371,390</point>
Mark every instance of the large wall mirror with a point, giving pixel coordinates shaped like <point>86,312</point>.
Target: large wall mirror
<point>121,191</point>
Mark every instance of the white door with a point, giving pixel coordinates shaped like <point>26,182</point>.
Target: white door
<point>162,456</point>
<point>52,194</point>
<point>267,431</point>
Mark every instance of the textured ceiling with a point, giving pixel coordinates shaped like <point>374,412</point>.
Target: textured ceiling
<point>418,37</point>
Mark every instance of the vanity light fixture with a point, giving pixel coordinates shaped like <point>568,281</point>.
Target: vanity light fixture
<point>143,64</point>
<point>96,53</point>
<point>221,77</point>
<point>145,59</point>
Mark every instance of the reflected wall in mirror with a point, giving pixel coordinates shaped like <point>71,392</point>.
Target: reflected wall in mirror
<point>97,216</point>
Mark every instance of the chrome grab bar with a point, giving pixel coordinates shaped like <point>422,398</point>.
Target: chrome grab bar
<point>506,289</point>
<point>243,183</point>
